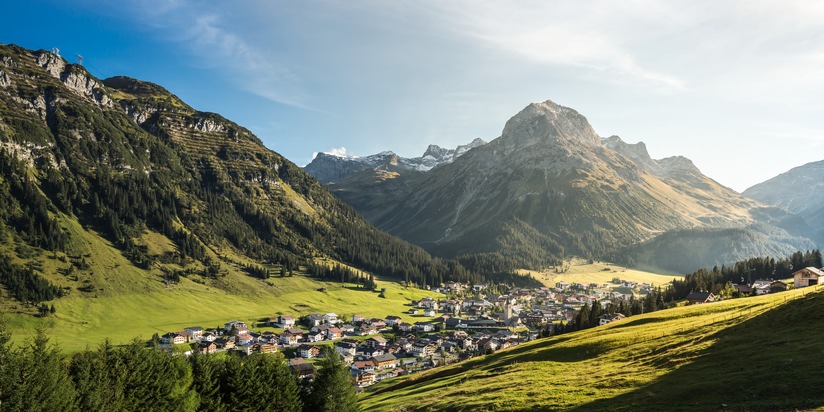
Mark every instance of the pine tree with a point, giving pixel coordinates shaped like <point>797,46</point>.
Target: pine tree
<point>332,390</point>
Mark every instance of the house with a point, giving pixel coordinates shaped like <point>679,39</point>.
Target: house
<point>194,332</point>
<point>308,351</point>
<point>267,348</point>
<point>359,367</point>
<point>302,368</point>
<point>286,321</point>
<point>392,320</point>
<point>313,320</point>
<point>385,361</point>
<point>345,349</point>
<point>778,286</point>
<point>429,312</point>
<point>234,324</point>
<point>243,340</point>
<point>224,343</point>
<point>207,347</point>
<point>331,318</point>
<point>288,338</point>
<point>176,338</point>
<point>609,318</point>
<point>358,318</point>
<point>314,336</point>
<point>808,276</point>
<point>365,379</point>
<point>696,298</point>
<point>347,329</point>
<point>333,333</point>
<point>375,341</point>
<point>424,327</point>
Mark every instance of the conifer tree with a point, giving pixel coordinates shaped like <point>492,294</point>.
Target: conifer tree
<point>332,389</point>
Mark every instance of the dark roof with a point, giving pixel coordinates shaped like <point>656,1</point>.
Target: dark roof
<point>702,296</point>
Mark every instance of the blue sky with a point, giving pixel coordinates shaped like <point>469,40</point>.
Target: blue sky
<point>736,86</point>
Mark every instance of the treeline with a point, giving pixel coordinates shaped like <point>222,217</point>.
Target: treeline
<point>25,285</point>
<point>134,377</point>
<point>342,274</point>
<point>590,315</point>
<point>716,280</point>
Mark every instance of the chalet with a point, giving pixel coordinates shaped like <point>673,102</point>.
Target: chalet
<point>234,324</point>
<point>778,286</point>
<point>334,333</point>
<point>424,327</point>
<point>331,318</point>
<point>224,343</point>
<point>194,332</point>
<point>609,318</point>
<point>208,337</point>
<point>405,327</point>
<point>365,379</point>
<point>243,340</point>
<point>358,318</point>
<point>289,338</point>
<point>429,312</point>
<point>359,367</point>
<point>696,298</point>
<point>375,341</point>
<point>345,349</point>
<point>313,336</point>
<point>429,303</point>
<point>808,276</point>
<point>313,320</point>
<point>286,321</point>
<point>267,348</point>
<point>384,361</point>
<point>308,351</point>
<point>347,329</point>
<point>392,320</point>
<point>302,368</point>
<point>207,347</point>
<point>176,338</point>
<point>422,349</point>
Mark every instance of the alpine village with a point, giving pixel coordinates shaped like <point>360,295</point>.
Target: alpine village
<point>157,257</point>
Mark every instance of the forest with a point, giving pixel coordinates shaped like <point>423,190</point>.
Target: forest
<point>37,377</point>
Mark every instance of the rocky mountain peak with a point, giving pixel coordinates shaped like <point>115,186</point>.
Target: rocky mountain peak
<point>549,122</point>
<point>435,151</point>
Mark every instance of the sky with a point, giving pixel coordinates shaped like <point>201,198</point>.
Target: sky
<point>736,86</point>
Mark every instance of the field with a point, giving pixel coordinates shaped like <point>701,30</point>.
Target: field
<point>79,322</point>
<point>125,302</point>
<point>745,354</point>
<point>579,270</point>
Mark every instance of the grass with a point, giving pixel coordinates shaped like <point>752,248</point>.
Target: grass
<point>81,322</point>
<point>126,302</point>
<point>748,354</point>
<point>602,272</point>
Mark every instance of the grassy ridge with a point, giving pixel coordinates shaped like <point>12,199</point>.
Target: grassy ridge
<point>87,321</point>
<point>749,354</point>
<point>601,272</point>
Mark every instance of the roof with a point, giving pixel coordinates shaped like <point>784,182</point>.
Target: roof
<point>815,271</point>
<point>702,296</point>
<point>385,358</point>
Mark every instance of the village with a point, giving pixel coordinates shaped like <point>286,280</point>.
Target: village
<point>470,321</point>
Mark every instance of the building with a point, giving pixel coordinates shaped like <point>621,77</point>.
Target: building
<point>696,298</point>
<point>808,276</point>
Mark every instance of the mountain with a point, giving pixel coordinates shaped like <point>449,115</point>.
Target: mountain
<point>800,190</point>
<point>549,186</point>
<point>97,171</point>
<point>328,167</point>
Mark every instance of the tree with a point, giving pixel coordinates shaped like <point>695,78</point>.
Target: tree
<point>332,390</point>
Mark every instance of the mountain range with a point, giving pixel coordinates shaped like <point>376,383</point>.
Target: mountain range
<point>550,187</point>
<point>94,168</point>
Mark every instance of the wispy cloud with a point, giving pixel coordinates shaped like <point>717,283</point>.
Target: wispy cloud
<point>580,36</point>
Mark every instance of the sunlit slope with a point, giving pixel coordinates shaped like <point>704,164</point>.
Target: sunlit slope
<point>580,271</point>
<point>748,354</point>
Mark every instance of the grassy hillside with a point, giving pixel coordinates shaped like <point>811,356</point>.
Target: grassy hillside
<point>81,321</point>
<point>579,270</point>
<point>745,354</point>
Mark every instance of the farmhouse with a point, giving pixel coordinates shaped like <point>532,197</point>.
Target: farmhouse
<point>808,276</point>
<point>696,298</point>
<point>609,318</point>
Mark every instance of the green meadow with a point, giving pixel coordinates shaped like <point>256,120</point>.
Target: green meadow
<point>759,353</point>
